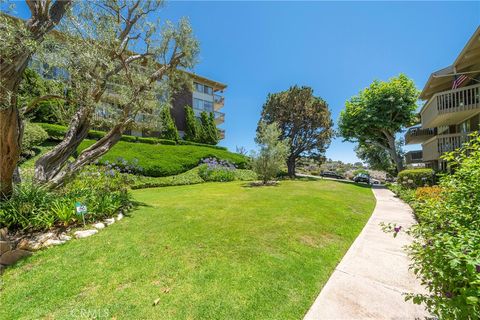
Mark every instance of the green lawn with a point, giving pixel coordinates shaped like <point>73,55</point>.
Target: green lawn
<point>208,251</point>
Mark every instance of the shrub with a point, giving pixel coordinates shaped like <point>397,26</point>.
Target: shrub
<point>217,170</point>
<point>273,152</point>
<point>446,248</point>
<point>190,143</point>
<point>428,193</point>
<point>32,207</point>
<point>413,178</point>
<point>55,131</point>
<point>33,135</point>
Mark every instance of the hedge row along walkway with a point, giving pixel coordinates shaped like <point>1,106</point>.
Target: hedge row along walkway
<point>369,281</point>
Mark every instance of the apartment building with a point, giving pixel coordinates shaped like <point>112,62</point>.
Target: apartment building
<point>206,96</point>
<point>452,108</point>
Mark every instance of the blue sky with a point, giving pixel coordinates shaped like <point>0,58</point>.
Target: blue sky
<point>337,48</point>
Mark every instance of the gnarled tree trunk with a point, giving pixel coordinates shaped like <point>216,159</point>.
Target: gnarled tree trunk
<point>45,16</point>
<point>291,166</point>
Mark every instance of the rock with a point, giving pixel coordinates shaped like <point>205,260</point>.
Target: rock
<point>53,242</point>
<point>44,237</point>
<point>30,245</point>
<point>119,216</point>
<point>5,246</point>
<point>64,237</point>
<point>109,221</point>
<point>85,233</point>
<point>10,257</point>
<point>99,225</point>
<point>3,234</point>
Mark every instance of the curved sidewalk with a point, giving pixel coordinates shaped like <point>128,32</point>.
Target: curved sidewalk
<point>369,281</point>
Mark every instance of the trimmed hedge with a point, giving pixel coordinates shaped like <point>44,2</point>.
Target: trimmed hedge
<point>158,160</point>
<point>413,178</point>
<point>57,132</point>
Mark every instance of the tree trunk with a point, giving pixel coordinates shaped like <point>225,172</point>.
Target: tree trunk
<point>50,164</point>
<point>291,164</point>
<point>87,156</point>
<point>393,152</point>
<point>45,15</point>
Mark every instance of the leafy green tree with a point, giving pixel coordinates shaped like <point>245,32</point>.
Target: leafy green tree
<point>303,119</point>
<point>272,153</point>
<point>20,40</point>
<point>378,113</point>
<point>377,158</point>
<point>191,125</point>
<point>168,128</point>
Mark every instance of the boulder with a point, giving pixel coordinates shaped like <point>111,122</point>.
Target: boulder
<point>52,242</point>
<point>64,237</point>
<point>3,233</point>
<point>10,257</point>
<point>99,225</point>
<point>85,233</point>
<point>5,246</point>
<point>30,245</point>
<point>109,221</point>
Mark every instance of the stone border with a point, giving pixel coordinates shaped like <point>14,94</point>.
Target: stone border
<point>16,247</point>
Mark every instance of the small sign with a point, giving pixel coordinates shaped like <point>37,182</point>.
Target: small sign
<point>80,208</point>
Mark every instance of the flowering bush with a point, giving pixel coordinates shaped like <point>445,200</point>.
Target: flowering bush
<point>445,251</point>
<point>413,178</point>
<point>212,169</point>
<point>428,193</point>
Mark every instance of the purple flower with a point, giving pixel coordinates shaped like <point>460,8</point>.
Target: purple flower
<point>397,229</point>
<point>477,267</point>
<point>448,294</point>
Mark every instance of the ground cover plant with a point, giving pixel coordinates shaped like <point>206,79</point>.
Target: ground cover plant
<point>210,251</point>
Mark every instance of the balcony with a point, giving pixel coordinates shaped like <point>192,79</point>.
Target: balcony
<point>451,107</point>
<point>414,157</point>
<point>218,102</point>
<point>433,149</point>
<point>219,117</point>
<point>221,133</point>
<point>418,135</point>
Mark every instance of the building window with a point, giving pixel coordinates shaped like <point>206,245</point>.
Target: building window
<point>203,88</point>
<point>202,105</point>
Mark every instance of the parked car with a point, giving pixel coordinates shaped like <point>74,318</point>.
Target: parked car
<point>374,181</point>
<point>362,177</point>
<point>331,174</point>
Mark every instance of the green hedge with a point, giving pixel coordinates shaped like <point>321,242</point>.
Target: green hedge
<point>57,132</point>
<point>158,160</point>
<point>413,178</point>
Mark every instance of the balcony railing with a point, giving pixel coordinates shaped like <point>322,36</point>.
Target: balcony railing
<point>418,135</point>
<point>432,150</point>
<point>451,107</point>
<point>218,101</point>
<point>219,117</point>
<point>415,156</point>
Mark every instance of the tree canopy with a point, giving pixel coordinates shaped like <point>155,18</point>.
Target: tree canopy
<point>303,119</point>
<point>378,113</point>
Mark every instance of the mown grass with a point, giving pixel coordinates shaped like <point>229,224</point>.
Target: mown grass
<point>165,160</point>
<point>209,251</point>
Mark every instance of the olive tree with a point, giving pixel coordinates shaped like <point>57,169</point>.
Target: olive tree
<point>303,119</point>
<point>378,113</point>
<point>119,61</point>
<point>19,40</point>
<point>272,153</point>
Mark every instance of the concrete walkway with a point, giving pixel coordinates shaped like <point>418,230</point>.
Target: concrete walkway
<point>369,281</point>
